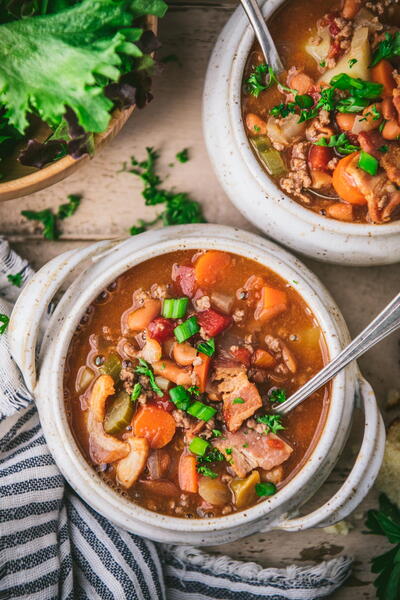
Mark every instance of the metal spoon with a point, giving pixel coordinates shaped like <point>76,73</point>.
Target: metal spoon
<point>263,35</point>
<point>385,323</point>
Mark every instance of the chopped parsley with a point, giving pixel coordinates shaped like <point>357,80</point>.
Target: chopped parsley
<point>179,208</point>
<point>265,489</point>
<point>216,433</point>
<point>272,422</point>
<point>49,220</point>
<point>228,451</point>
<point>206,471</point>
<point>352,62</point>
<point>238,401</point>
<point>137,390</point>
<point>387,48</point>
<point>143,368</point>
<point>254,83</point>
<point>203,462</point>
<point>341,142</point>
<point>277,396</point>
<point>4,320</point>
<point>322,64</point>
<point>194,390</point>
<point>383,149</point>
<point>246,445</point>
<point>207,347</point>
<point>256,128</point>
<point>15,279</point>
<point>183,155</point>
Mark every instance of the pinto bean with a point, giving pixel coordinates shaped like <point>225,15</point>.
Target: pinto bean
<point>141,317</point>
<point>184,354</point>
<point>255,124</point>
<point>340,211</point>
<point>391,131</point>
<point>345,121</point>
<point>319,157</point>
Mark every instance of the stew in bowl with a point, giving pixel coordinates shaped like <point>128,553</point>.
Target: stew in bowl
<point>328,130</point>
<point>171,375</point>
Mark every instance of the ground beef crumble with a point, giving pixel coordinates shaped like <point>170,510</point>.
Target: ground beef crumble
<point>298,177</point>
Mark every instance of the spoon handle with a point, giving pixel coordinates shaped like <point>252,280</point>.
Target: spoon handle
<point>385,323</point>
<point>263,35</point>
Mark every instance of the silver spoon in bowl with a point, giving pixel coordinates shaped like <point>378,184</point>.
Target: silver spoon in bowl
<point>385,323</point>
<point>263,35</point>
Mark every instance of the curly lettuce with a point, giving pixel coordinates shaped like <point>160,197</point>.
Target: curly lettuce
<point>54,62</point>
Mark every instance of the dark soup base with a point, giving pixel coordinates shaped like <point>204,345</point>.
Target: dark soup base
<point>171,376</point>
<point>329,133</point>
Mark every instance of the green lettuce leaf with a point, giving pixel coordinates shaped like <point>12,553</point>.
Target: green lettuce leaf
<point>54,61</point>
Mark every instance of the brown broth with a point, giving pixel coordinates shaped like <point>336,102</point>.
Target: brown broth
<point>296,326</point>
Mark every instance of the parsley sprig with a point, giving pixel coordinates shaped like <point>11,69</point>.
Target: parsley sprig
<point>4,320</point>
<point>179,208</point>
<point>341,142</point>
<point>205,462</point>
<point>143,368</point>
<point>272,422</point>
<point>15,279</point>
<point>386,521</point>
<point>387,48</point>
<point>49,220</point>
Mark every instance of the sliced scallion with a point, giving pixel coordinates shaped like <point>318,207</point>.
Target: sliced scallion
<point>198,446</point>
<point>180,397</point>
<point>201,411</point>
<point>185,330</point>
<point>174,308</point>
<point>368,163</point>
<point>207,347</point>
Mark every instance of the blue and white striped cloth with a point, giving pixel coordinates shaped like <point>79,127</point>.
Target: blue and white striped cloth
<point>54,546</point>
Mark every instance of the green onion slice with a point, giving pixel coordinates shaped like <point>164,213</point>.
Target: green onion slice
<point>137,390</point>
<point>207,347</point>
<point>185,330</point>
<point>180,397</point>
<point>201,411</point>
<point>198,446</point>
<point>174,308</point>
<point>368,163</point>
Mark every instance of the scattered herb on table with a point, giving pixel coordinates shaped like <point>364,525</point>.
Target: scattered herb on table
<point>183,155</point>
<point>273,423</point>
<point>386,521</point>
<point>4,320</point>
<point>179,208</point>
<point>15,279</point>
<point>49,220</point>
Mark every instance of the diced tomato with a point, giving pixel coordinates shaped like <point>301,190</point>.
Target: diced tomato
<point>164,403</point>
<point>161,329</point>
<point>213,322</point>
<point>243,355</point>
<point>185,278</point>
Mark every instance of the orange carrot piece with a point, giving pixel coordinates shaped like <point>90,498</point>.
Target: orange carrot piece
<point>340,211</point>
<point>211,266</point>
<point>271,303</point>
<point>187,474</point>
<point>263,359</point>
<point>154,424</point>
<point>343,183</point>
<point>202,371</point>
<point>383,73</point>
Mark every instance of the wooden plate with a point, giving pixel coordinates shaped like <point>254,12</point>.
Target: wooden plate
<point>22,180</point>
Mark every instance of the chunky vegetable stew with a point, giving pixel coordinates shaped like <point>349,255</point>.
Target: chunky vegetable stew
<point>171,376</point>
<point>328,131</point>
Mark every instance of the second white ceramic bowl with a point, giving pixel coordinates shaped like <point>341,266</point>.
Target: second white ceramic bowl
<point>247,184</point>
<point>93,268</point>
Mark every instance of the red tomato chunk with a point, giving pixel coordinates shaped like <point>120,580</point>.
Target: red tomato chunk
<point>212,322</point>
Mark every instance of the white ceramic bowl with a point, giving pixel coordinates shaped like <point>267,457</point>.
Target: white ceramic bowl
<point>248,185</point>
<point>91,269</point>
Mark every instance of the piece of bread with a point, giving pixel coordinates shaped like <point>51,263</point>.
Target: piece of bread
<point>388,480</point>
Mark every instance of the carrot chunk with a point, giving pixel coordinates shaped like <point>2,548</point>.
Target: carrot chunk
<point>263,359</point>
<point>271,303</point>
<point>383,73</point>
<point>202,371</point>
<point>211,267</point>
<point>187,474</point>
<point>154,424</point>
<point>342,182</point>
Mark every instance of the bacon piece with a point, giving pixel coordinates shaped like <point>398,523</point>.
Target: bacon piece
<point>185,278</point>
<point>251,450</point>
<point>371,141</point>
<point>234,384</point>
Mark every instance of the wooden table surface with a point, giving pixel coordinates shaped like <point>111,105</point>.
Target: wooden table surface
<point>112,202</point>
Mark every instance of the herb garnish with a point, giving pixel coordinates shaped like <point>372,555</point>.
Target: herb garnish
<point>212,456</point>
<point>143,368</point>
<point>137,390</point>
<point>388,48</point>
<point>383,149</point>
<point>216,432</point>
<point>272,422</point>
<point>15,279</point>
<point>277,396</point>
<point>183,155</point>
<point>179,208</point>
<point>4,319</point>
<point>341,142</point>
<point>352,62</point>
<point>49,220</point>
<point>265,489</point>
<point>238,401</point>
<point>386,521</point>
<point>255,81</point>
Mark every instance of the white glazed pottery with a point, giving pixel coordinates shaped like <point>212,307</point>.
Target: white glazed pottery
<point>91,270</point>
<point>248,185</point>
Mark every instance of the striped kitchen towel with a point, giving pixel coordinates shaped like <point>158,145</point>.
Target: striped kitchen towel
<point>54,546</point>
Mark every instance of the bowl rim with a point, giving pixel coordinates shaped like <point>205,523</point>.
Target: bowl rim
<point>134,251</point>
<point>245,37</point>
